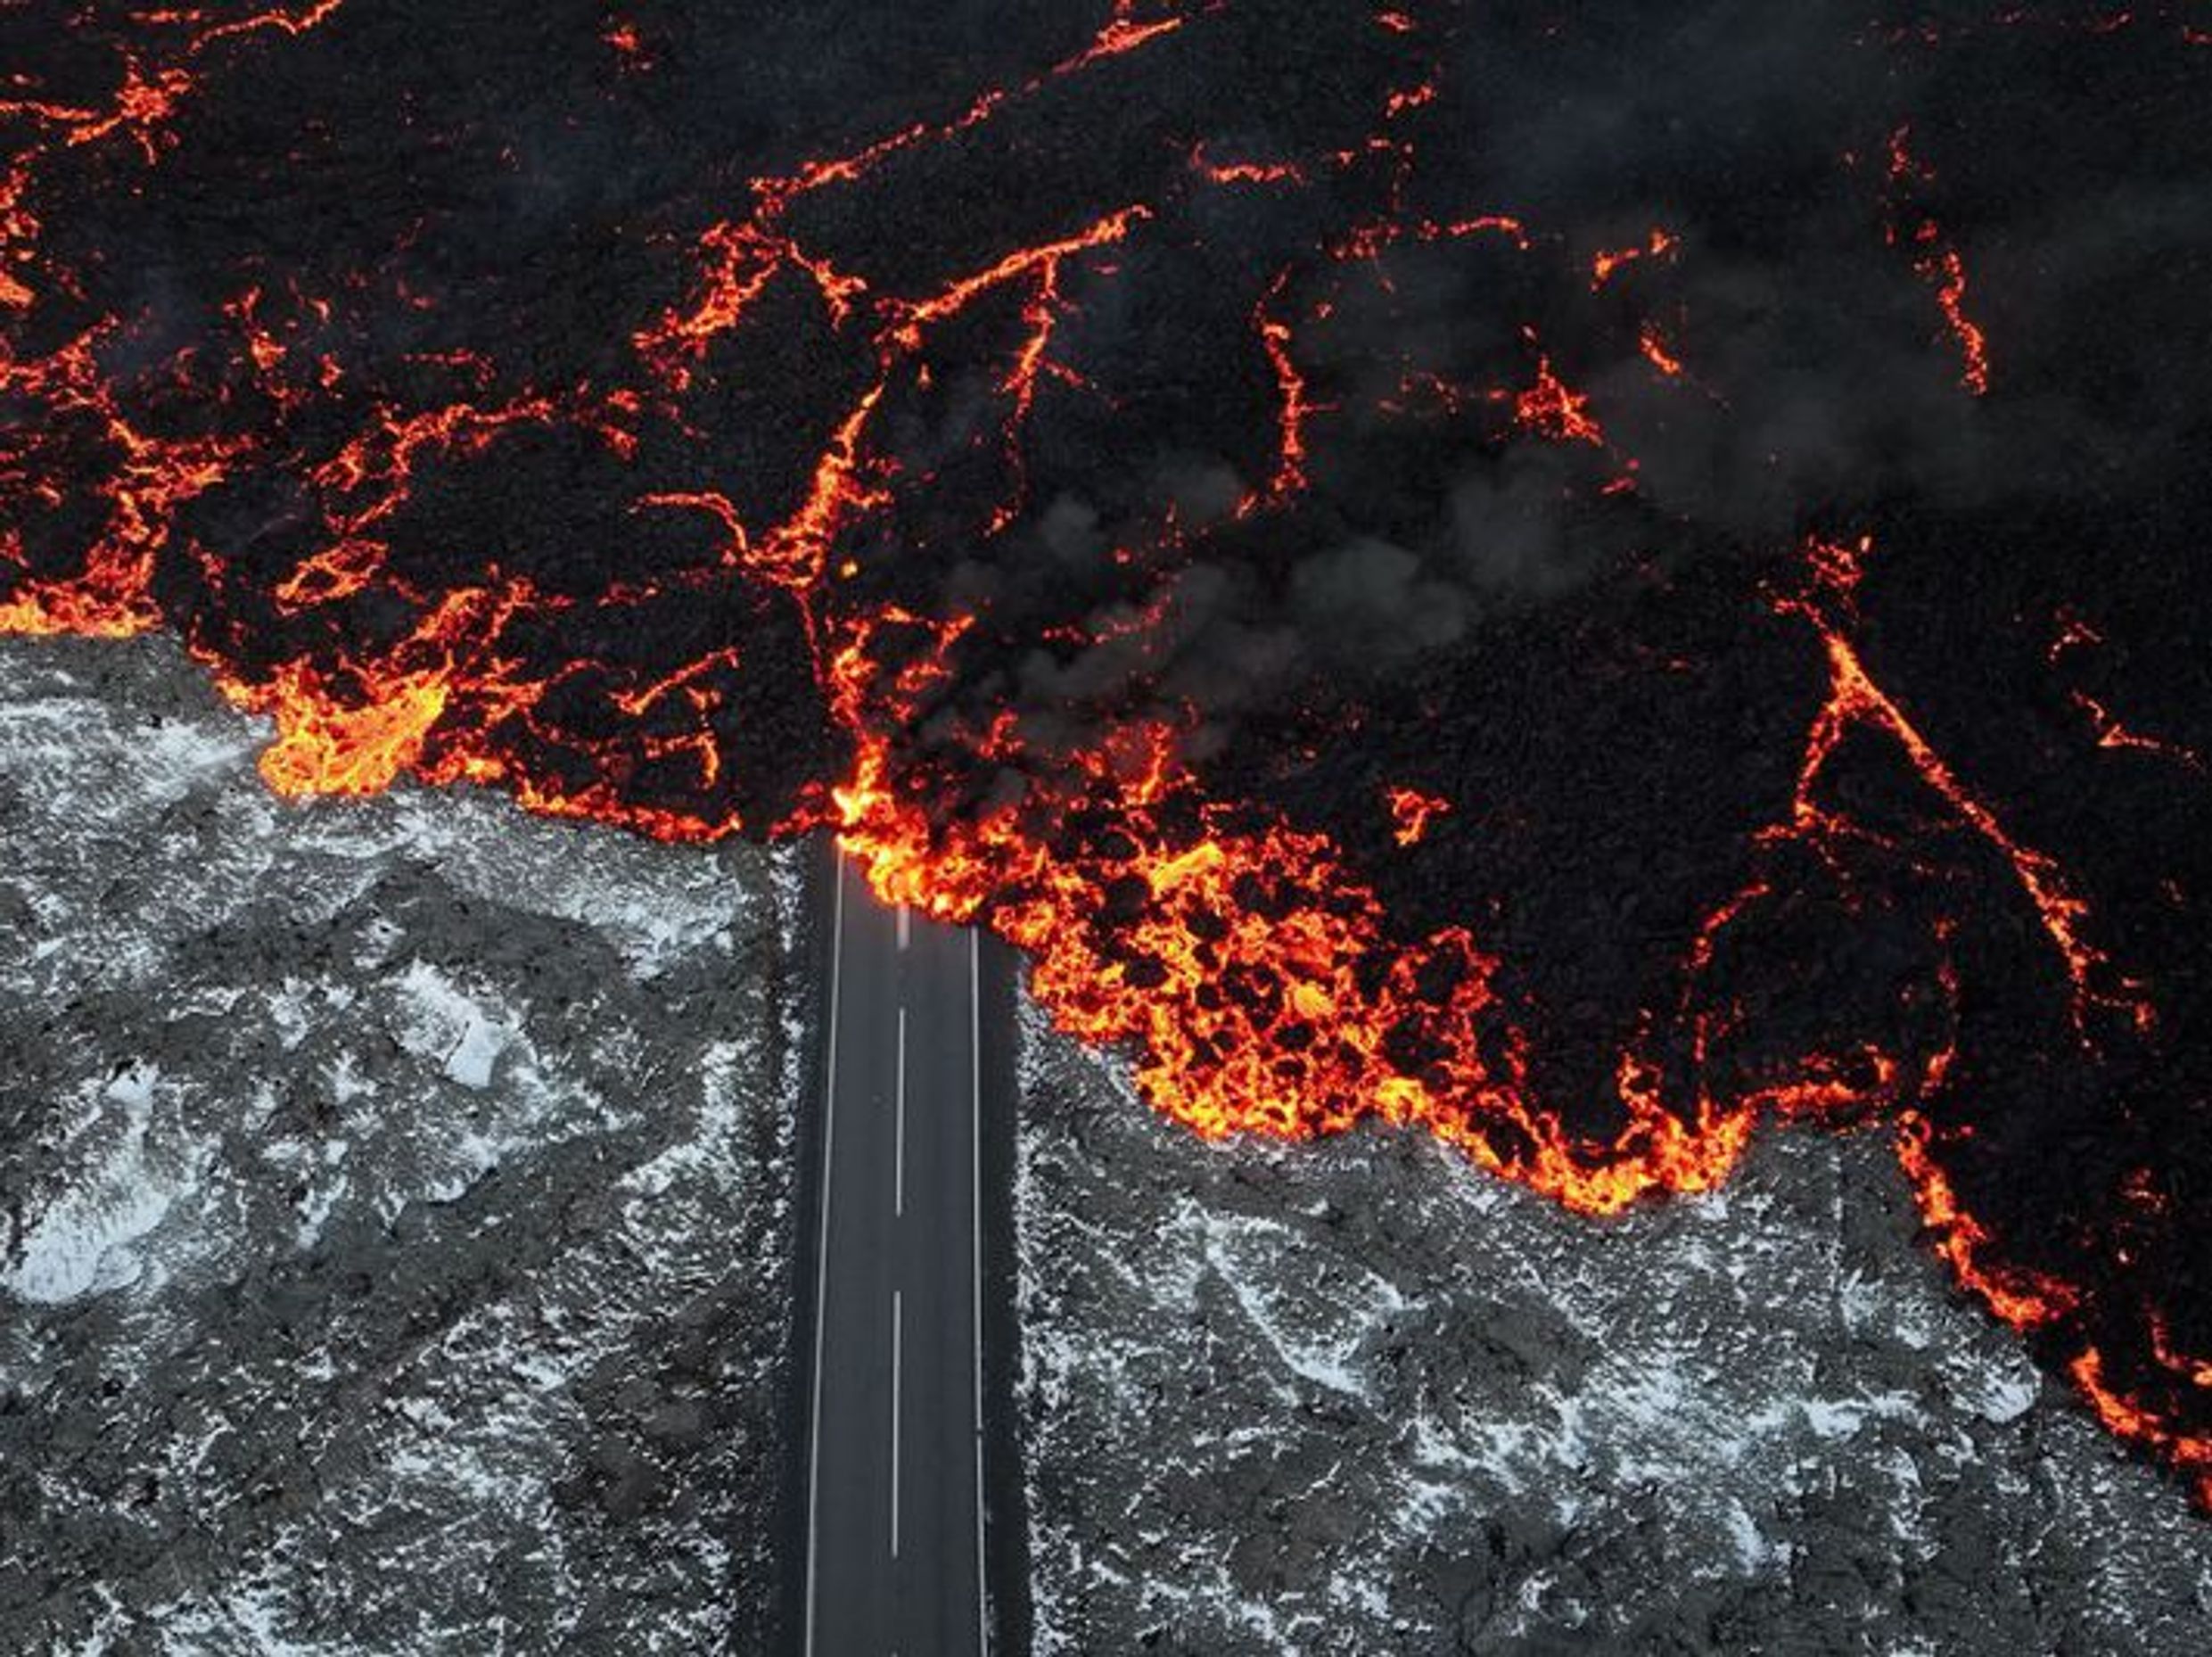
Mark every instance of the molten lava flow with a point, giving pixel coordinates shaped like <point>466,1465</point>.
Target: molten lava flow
<point>1036,485</point>
<point>1939,263</point>
<point>150,479</point>
<point>2189,1452</point>
<point>360,738</point>
<point>1550,408</point>
<point>2022,1299</point>
<point>1295,410</point>
<point>1854,701</point>
<point>1608,261</point>
<point>1254,974</point>
<point>1412,812</point>
<point>1655,352</point>
<point>2075,634</point>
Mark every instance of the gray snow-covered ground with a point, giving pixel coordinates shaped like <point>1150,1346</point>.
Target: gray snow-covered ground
<point>1359,1398</point>
<point>395,1230</point>
<point>395,1203</point>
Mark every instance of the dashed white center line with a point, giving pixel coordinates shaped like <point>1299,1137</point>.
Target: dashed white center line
<point>897,1338</point>
<point>906,923</point>
<point>899,1124</point>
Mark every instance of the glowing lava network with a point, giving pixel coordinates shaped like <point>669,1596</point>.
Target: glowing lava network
<point>1581,577</point>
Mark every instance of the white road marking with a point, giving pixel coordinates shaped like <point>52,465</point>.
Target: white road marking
<point>975,1255</point>
<point>821,1276</point>
<point>899,1124</point>
<point>906,923</point>
<point>897,1341</point>
<point>836,972</point>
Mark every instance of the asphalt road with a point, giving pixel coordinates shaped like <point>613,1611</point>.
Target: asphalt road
<point>895,1504</point>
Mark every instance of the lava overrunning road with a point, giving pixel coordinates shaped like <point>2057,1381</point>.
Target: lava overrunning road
<point>896,1555</point>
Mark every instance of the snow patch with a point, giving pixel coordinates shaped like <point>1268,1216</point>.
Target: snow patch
<point>86,1243</point>
<point>451,1027</point>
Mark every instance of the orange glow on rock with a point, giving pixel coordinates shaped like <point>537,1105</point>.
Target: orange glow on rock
<point>1412,812</point>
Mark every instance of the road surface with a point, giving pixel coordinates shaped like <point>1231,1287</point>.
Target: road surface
<point>896,1494</point>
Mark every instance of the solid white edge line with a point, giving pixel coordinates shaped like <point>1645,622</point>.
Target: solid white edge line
<point>897,1342</point>
<point>976,1256</point>
<point>821,1262</point>
<point>899,1125</point>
